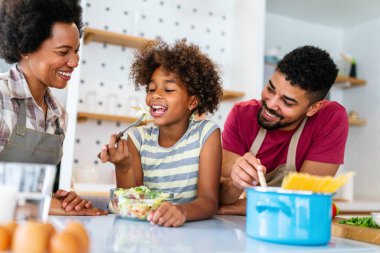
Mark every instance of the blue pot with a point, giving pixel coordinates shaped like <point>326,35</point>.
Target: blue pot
<point>289,217</point>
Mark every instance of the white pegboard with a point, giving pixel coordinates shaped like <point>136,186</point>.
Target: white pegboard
<point>104,84</point>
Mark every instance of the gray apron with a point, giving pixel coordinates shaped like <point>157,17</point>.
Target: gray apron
<point>274,178</point>
<point>32,146</point>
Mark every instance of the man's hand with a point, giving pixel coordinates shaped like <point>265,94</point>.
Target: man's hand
<point>244,171</point>
<point>71,201</point>
<point>56,208</point>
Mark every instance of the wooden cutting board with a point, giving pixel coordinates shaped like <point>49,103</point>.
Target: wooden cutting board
<point>370,235</point>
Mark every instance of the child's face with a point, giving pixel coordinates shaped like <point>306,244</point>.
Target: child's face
<point>168,99</point>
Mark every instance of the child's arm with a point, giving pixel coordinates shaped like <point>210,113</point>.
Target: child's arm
<point>206,203</point>
<point>132,176</point>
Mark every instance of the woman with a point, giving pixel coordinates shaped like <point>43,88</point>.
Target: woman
<point>42,38</point>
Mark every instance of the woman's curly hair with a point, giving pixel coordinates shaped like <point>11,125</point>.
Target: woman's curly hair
<point>311,69</point>
<point>188,63</point>
<point>25,24</point>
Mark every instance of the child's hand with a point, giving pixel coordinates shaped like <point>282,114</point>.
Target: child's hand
<point>116,153</point>
<point>167,215</point>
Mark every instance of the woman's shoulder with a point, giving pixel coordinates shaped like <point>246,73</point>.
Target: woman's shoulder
<point>4,88</point>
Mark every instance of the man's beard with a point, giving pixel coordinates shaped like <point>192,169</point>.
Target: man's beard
<point>277,125</point>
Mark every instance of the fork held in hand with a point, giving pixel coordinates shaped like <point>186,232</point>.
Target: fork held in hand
<point>121,133</point>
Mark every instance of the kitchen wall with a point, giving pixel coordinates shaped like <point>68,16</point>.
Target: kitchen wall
<point>223,30</point>
<point>362,41</point>
<point>289,33</point>
<point>363,147</point>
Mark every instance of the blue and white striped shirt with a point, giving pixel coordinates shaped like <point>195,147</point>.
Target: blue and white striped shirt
<point>173,169</point>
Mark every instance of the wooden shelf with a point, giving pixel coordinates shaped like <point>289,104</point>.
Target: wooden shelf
<point>232,95</point>
<point>91,34</point>
<point>356,121</point>
<point>83,116</point>
<point>348,81</point>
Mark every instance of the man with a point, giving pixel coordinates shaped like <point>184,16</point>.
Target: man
<point>292,128</point>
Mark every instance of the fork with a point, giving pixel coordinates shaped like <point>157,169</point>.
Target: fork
<point>121,133</point>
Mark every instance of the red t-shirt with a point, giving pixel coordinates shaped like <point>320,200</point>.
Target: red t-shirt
<point>323,138</point>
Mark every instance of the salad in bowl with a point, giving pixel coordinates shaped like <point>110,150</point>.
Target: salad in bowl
<point>137,202</point>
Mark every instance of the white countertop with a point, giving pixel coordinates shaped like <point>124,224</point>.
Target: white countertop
<point>359,206</point>
<point>223,233</point>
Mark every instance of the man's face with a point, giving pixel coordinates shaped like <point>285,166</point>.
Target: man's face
<point>284,106</point>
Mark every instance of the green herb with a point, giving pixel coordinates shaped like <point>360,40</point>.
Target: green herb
<point>360,221</point>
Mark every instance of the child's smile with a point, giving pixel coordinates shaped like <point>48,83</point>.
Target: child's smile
<point>157,110</point>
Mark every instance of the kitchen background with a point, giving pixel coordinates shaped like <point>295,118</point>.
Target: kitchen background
<point>237,35</point>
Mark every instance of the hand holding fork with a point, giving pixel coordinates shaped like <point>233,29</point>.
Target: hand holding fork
<point>121,133</point>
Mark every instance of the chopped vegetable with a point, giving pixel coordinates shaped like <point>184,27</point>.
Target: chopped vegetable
<point>360,221</point>
<point>143,111</point>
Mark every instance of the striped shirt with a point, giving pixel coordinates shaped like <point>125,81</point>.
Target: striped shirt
<point>13,87</point>
<point>173,169</point>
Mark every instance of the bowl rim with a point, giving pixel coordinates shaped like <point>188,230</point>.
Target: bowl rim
<point>272,189</point>
<point>170,198</point>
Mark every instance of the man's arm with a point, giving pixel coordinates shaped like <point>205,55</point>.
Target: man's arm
<point>228,193</point>
<point>318,168</point>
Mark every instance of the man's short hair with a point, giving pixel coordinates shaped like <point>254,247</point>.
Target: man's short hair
<point>311,69</point>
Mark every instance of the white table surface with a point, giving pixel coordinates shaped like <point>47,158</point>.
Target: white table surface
<point>223,233</point>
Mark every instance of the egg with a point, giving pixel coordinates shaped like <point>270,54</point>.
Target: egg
<point>64,242</point>
<point>11,227</point>
<point>31,237</point>
<point>49,229</point>
<point>80,232</point>
<point>5,239</point>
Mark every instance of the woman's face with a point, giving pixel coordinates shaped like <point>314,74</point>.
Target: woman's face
<point>55,60</point>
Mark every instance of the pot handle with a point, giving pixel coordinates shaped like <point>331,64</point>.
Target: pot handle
<point>274,207</point>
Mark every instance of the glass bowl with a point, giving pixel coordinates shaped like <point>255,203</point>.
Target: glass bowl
<point>376,218</point>
<point>135,205</point>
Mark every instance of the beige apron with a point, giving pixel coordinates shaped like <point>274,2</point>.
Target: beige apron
<point>31,146</point>
<point>275,177</point>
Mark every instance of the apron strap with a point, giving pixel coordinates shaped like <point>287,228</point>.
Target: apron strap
<point>291,158</point>
<point>59,130</point>
<point>258,141</point>
<point>21,120</point>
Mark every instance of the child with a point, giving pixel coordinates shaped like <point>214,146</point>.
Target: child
<point>177,153</point>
